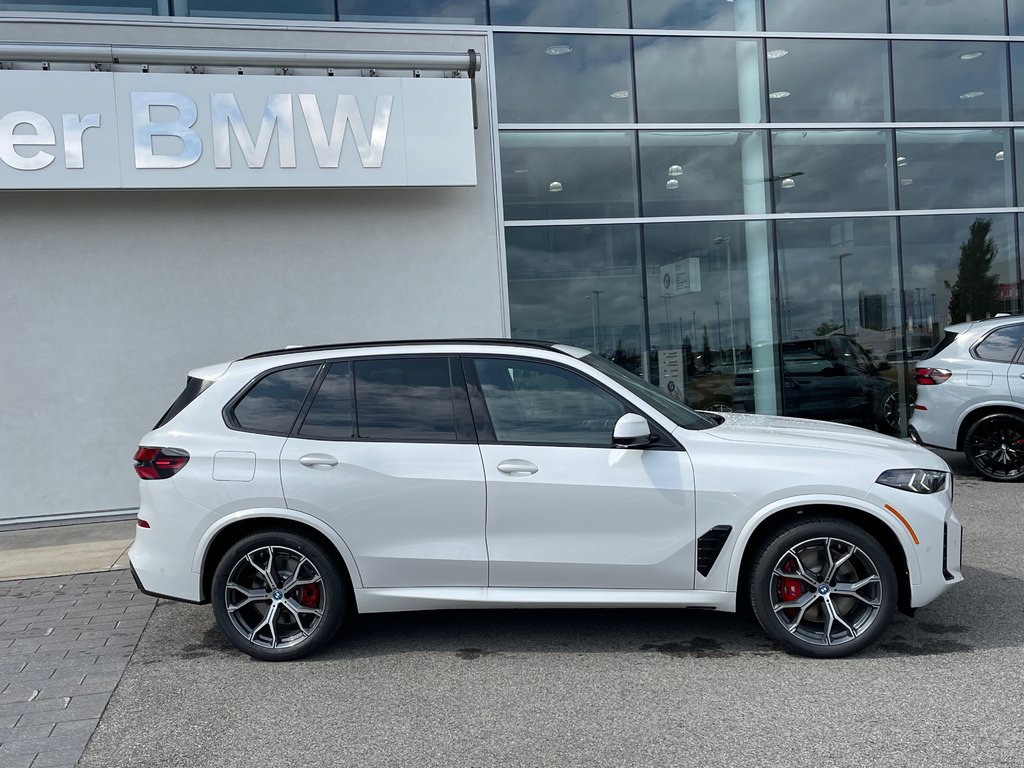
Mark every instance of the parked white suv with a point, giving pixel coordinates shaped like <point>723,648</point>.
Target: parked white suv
<point>970,396</point>
<point>294,488</point>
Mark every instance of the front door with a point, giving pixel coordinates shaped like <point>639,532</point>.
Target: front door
<point>564,507</point>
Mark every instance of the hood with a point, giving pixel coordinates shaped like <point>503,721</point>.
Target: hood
<point>785,432</point>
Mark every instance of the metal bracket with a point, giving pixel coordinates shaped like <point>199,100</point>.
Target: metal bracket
<point>472,87</point>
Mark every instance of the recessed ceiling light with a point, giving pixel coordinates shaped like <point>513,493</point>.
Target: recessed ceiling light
<point>906,182</point>
<point>620,95</point>
<point>675,170</point>
<point>555,186</point>
<point>777,53</point>
<point>778,94</point>
<point>1000,156</point>
<point>672,184</point>
<point>901,161</point>
<point>521,170</point>
<point>558,50</point>
<point>971,95</point>
<point>788,183</point>
<point>971,55</point>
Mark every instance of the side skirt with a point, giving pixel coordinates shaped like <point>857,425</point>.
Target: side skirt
<point>387,599</point>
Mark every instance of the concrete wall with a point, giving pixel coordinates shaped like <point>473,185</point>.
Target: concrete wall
<point>107,299</point>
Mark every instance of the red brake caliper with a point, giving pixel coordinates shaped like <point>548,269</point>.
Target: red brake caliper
<point>790,589</point>
<point>309,595</point>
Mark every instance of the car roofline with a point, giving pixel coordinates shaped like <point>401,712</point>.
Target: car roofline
<point>528,343</point>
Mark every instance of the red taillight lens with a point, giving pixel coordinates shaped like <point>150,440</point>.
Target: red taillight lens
<point>926,376</point>
<point>159,463</point>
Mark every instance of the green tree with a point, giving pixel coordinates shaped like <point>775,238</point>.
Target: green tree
<point>975,294</point>
<point>825,329</point>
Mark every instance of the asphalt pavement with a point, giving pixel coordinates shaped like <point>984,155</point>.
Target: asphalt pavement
<point>595,687</point>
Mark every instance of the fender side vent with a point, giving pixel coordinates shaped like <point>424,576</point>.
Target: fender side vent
<point>709,547</point>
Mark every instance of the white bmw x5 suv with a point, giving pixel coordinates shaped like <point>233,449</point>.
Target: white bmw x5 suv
<point>294,488</point>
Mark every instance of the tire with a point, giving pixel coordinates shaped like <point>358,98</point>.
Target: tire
<point>892,417</point>
<point>288,577</point>
<point>832,616</point>
<point>994,446</point>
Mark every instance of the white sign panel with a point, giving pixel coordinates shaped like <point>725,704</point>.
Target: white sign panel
<point>672,373</point>
<point>680,277</point>
<point>100,130</point>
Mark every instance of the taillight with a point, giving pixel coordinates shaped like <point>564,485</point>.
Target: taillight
<point>159,463</point>
<point>926,376</point>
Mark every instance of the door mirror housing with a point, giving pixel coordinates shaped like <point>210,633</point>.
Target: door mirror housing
<point>632,431</point>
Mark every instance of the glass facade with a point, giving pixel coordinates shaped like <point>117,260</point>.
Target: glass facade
<point>782,191</point>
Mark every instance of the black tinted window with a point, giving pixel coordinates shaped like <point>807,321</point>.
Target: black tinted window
<point>330,415</point>
<point>274,402</point>
<point>1001,346</point>
<point>532,402</point>
<point>944,342</point>
<point>405,399</point>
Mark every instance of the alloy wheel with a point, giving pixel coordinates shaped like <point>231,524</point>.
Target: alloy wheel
<point>826,591</point>
<point>275,597</point>
<point>995,446</point>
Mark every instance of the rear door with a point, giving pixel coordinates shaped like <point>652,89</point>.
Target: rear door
<point>992,372</point>
<point>386,453</point>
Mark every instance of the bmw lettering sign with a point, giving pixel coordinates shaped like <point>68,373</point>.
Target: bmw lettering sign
<point>103,130</point>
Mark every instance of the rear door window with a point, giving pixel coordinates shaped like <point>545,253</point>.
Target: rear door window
<point>405,399</point>
<point>330,417</point>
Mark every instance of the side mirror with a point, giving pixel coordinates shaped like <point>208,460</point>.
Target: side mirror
<point>631,431</point>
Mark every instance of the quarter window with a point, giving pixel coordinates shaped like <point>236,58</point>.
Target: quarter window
<point>272,404</point>
<point>1001,346</point>
<point>532,402</point>
<point>405,399</point>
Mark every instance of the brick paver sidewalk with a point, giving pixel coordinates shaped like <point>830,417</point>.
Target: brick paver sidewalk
<point>64,643</point>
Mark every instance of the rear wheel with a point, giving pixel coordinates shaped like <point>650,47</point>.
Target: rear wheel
<point>823,587</point>
<point>994,446</point>
<point>278,595</point>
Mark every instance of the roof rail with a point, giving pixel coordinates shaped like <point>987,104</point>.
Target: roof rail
<point>531,343</point>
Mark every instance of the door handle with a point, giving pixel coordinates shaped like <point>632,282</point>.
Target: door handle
<point>517,467</point>
<point>318,461</point>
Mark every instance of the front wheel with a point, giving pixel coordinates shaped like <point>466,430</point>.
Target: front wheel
<point>278,595</point>
<point>994,446</point>
<point>823,587</point>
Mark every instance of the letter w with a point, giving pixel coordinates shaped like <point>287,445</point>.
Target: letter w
<point>328,150</point>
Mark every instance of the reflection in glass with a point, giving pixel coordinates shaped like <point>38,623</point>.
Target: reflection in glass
<point>831,171</point>
<point>560,13</point>
<point>692,173</point>
<point>273,403</point>
<point>259,9</point>
<point>953,168</point>
<point>954,17</point>
<point>694,14</point>
<point>693,80</point>
<point>1016,16</point>
<point>146,7</point>
<point>563,78</point>
<point>568,174</point>
<point>405,399</point>
<point>818,16</point>
<point>330,415</point>
<point>415,11</point>
<point>944,81</point>
<point>955,268</point>
<point>702,319</point>
<point>578,285</point>
<point>1017,74</point>
<point>840,319</point>
<point>828,80</point>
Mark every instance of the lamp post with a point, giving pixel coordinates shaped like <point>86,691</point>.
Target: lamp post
<point>842,288</point>
<point>727,241</point>
<point>595,316</point>
<point>718,312</point>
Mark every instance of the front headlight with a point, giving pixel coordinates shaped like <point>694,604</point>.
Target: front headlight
<point>914,480</point>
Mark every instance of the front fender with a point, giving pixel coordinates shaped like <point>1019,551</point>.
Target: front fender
<point>797,502</point>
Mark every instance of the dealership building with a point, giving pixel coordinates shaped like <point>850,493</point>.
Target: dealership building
<point>769,206</point>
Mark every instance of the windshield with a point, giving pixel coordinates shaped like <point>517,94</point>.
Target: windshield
<point>679,413</point>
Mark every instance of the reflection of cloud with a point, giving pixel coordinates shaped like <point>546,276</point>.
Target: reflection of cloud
<point>692,14</point>
<point>961,17</point>
<point>708,92</point>
<point>829,80</point>
<point>831,16</point>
